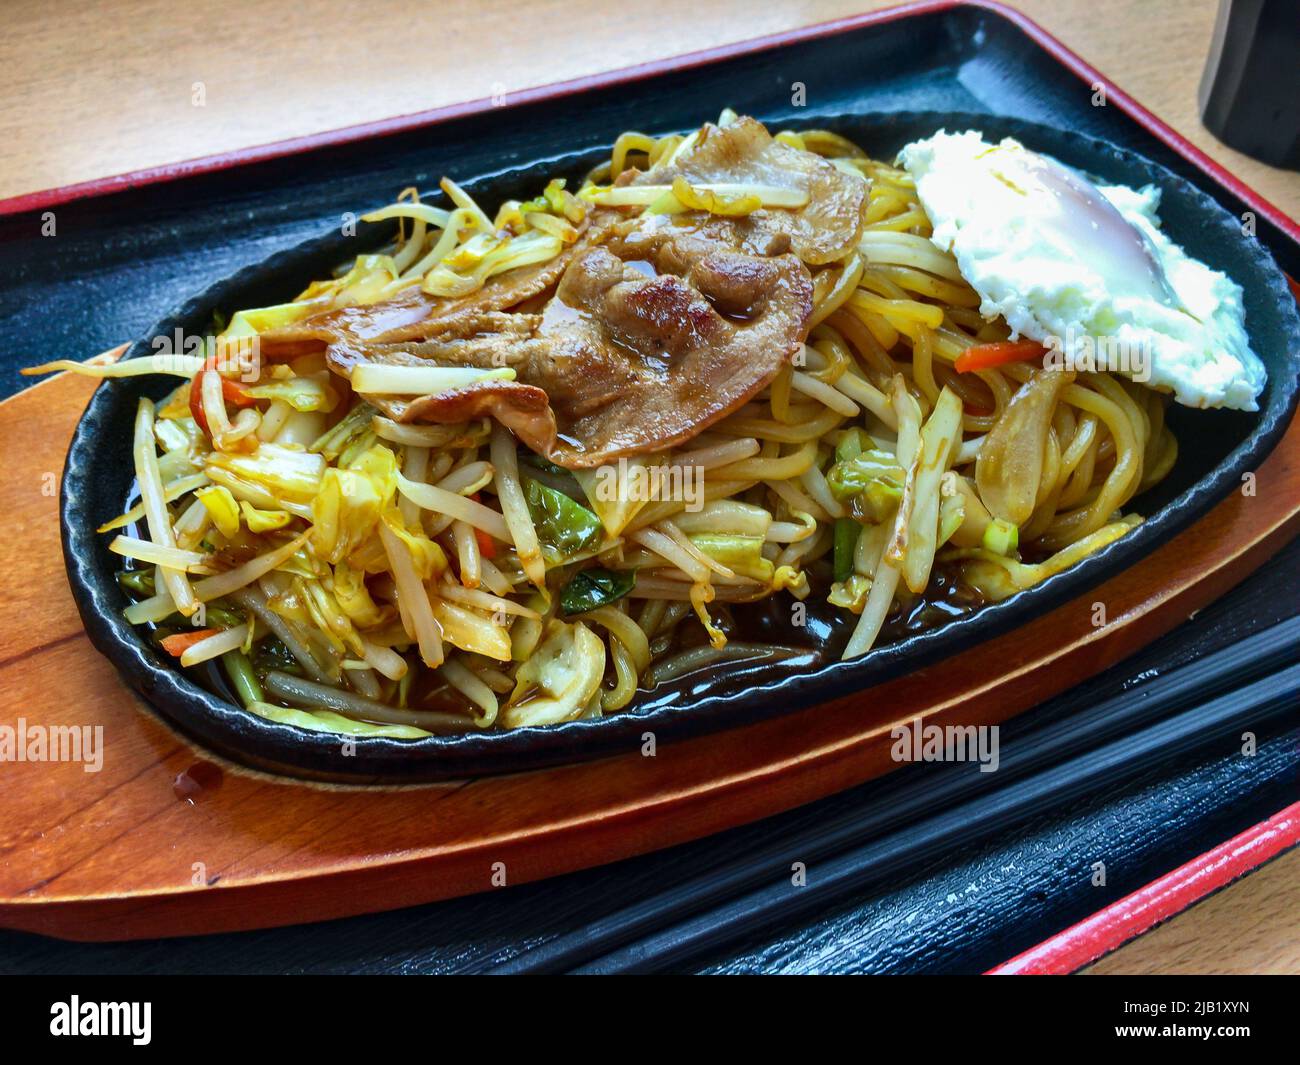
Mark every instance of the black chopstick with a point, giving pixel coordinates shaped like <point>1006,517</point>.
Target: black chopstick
<point>926,790</point>
<point>1216,723</point>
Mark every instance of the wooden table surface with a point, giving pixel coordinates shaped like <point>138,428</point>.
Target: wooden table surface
<point>88,91</point>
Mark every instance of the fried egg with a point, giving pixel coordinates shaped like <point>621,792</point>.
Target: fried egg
<point>1085,269</point>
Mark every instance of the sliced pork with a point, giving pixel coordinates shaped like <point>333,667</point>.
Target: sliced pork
<point>744,153</point>
<point>629,361</point>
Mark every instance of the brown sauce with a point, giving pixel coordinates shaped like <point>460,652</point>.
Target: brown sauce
<point>197,782</point>
<point>818,641</point>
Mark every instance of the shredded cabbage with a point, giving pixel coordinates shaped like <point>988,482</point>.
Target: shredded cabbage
<point>301,393</point>
<point>559,678</point>
<point>381,378</point>
<point>221,507</point>
<point>350,501</point>
<point>283,472</point>
<point>743,555</point>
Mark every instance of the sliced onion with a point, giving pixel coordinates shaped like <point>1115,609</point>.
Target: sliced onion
<point>457,507</point>
<point>1010,463</point>
<point>176,365</point>
<point>232,580</point>
<point>473,688</point>
<point>371,378</point>
<point>434,216</point>
<point>413,598</point>
<point>255,600</point>
<point>147,551</point>
<point>175,583</point>
<point>227,640</point>
<point>643,195</point>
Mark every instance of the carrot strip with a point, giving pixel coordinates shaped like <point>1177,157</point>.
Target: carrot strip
<point>986,356</point>
<point>487,547</point>
<point>231,392</point>
<point>178,643</point>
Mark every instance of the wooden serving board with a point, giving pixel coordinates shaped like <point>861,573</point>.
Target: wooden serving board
<point>168,839</point>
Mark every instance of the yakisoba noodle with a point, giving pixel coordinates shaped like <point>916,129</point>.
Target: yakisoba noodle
<point>354,572</point>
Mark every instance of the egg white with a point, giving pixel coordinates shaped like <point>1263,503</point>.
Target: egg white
<point>1059,268</point>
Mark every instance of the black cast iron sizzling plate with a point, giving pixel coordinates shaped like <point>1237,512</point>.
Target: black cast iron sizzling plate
<point>1217,447</point>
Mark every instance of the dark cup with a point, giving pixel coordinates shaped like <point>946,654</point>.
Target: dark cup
<point>1250,92</point>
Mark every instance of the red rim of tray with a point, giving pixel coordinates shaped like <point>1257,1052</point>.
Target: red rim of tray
<point>1164,897</point>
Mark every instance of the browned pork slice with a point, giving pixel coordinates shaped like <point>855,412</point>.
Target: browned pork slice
<point>675,243</point>
<point>631,361</point>
<point>660,325</point>
<point>826,229</point>
<point>523,409</point>
<point>650,362</point>
<point>412,313</point>
<point>486,339</point>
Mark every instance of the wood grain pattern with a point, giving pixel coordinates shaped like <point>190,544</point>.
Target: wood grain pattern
<point>115,854</point>
<point>1233,932</point>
